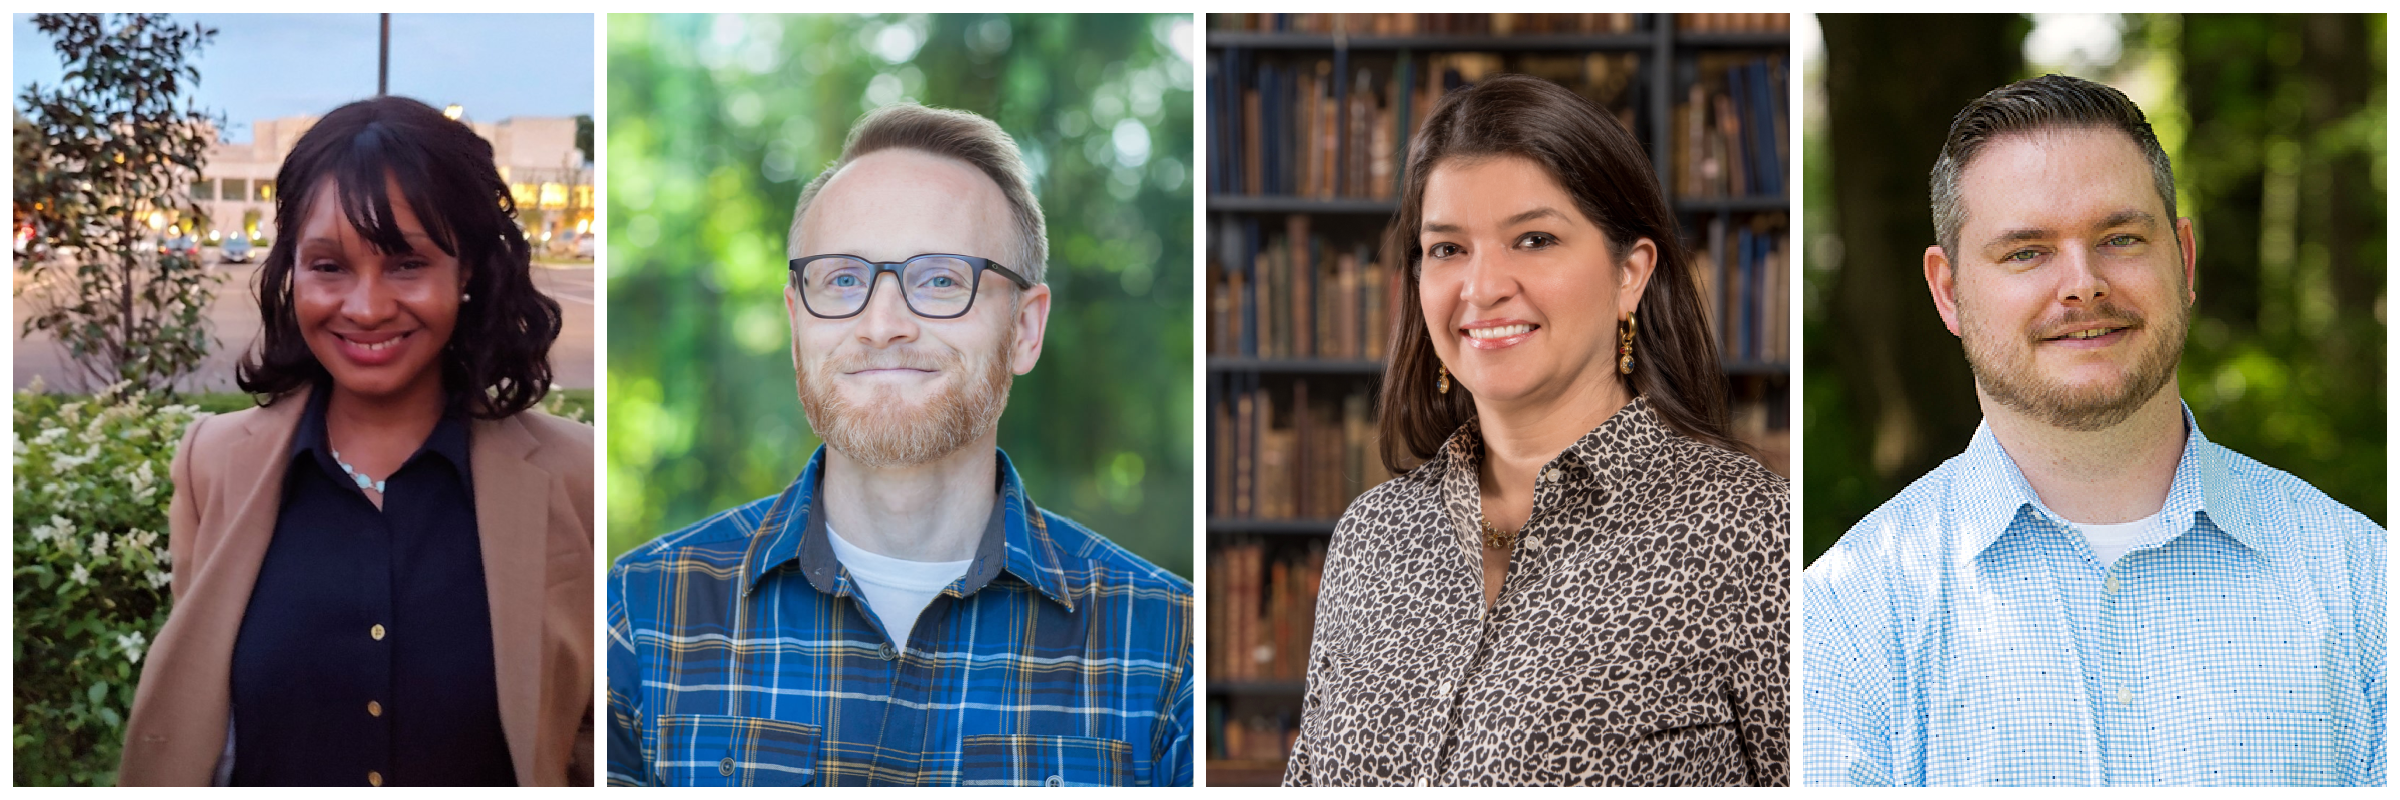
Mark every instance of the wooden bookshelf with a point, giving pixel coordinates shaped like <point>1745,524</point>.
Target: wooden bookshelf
<point>1266,215</point>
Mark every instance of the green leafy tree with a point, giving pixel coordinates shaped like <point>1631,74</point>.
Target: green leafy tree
<point>104,162</point>
<point>583,137</point>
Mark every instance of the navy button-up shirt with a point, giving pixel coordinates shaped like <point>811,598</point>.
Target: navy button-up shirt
<point>365,656</point>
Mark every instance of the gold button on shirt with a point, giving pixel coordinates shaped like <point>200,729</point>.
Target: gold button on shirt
<point>374,778</point>
<point>376,632</point>
<point>374,709</point>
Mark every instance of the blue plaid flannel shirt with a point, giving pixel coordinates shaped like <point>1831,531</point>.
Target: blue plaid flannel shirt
<point>740,653</point>
<point>1965,634</point>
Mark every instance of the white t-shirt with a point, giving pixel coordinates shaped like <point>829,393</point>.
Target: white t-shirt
<point>2110,541</point>
<point>896,589</point>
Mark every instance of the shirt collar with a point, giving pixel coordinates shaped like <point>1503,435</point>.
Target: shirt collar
<point>1991,493</point>
<point>1016,539</point>
<point>1619,447</point>
<point>448,440</point>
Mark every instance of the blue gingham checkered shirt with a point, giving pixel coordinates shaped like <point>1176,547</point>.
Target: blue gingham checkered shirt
<point>740,652</point>
<point>1964,634</point>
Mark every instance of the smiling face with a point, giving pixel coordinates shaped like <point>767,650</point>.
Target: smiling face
<point>887,387</point>
<point>1521,292</point>
<point>377,321</point>
<point>2071,290</point>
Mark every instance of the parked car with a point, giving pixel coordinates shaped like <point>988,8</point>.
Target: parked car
<point>185,246</point>
<point>583,246</point>
<point>236,250</point>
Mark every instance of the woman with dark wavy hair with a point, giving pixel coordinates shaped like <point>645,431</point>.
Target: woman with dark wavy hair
<point>1583,578</point>
<point>383,572</point>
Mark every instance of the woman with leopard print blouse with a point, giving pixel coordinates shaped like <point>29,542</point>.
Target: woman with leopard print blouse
<point>1585,580</point>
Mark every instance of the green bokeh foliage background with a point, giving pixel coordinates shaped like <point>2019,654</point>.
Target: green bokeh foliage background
<point>715,124</point>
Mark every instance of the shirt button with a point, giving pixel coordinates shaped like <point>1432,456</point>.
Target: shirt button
<point>1553,474</point>
<point>888,652</point>
<point>374,709</point>
<point>725,767</point>
<point>2124,697</point>
<point>1054,782</point>
<point>1445,689</point>
<point>376,632</point>
<point>2111,583</point>
<point>1423,781</point>
<point>374,778</point>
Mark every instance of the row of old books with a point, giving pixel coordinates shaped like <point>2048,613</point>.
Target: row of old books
<point>1253,737</point>
<point>1339,126</point>
<point>1286,455</point>
<point>1489,24</point>
<point>1744,270</point>
<point>1731,128</point>
<point>1262,609</point>
<point>1296,294</point>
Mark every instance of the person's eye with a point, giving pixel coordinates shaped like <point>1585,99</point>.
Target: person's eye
<point>323,266</point>
<point>2122,240</point>
<point>413,264</point>
<point>940,282</point>
<point>1536,241</point>
<point>2022,256</point>
<point>1442,250</point>
<point>845,281</point>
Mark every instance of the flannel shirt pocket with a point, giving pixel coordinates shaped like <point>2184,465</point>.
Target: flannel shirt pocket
<point>1027,760</point>
<point>706,750</point>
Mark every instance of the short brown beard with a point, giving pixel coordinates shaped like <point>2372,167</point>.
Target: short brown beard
<point>2072,409</point>
<point>883,431</point>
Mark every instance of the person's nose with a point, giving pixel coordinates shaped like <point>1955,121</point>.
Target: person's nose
<point>886,320</point>
<point>2080,281</point>
<point>1490,279</point>
<point>371,301</point>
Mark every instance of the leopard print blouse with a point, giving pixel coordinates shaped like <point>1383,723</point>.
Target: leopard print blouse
<point>1642,635</point>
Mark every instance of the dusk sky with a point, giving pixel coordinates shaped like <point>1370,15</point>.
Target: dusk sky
<point>266,66</point>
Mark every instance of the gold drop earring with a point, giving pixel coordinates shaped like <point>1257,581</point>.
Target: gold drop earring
<point>1443,370</point>
<point>1625,347</point>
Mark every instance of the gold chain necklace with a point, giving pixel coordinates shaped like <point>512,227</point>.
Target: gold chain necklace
<point>1496,538</point>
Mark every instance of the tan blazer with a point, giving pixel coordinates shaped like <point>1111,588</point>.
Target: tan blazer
<point>533,507</point>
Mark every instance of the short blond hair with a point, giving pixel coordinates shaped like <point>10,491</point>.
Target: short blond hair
<point>949,133</point>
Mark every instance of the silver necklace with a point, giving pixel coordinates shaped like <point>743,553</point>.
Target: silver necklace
<point>364,482</point>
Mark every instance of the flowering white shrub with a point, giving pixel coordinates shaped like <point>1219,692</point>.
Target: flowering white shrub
<point>92,572</point>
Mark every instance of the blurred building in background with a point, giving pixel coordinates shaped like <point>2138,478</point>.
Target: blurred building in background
<point>550,177</point>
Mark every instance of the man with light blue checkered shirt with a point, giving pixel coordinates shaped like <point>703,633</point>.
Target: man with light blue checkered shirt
<point>2093,593</point>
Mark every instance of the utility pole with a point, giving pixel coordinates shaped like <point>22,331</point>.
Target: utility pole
<point>383,60</point>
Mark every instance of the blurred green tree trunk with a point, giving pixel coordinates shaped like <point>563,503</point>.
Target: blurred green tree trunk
<point>1897,80</point>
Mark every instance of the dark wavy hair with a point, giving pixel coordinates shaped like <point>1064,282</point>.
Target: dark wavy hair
<point>497,361</point>
<point>1604,169</point>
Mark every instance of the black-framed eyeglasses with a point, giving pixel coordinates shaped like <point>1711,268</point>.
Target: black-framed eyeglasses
<point>934,285</point>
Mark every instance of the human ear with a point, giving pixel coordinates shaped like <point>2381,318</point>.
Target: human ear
<point>1031,320</point>
<point>1633,277</point>
<point>1942,281</point>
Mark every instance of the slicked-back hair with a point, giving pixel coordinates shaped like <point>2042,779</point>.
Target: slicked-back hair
<point>960,135</point>
<point>1603,168</point>
<point>497,362</point>
<point>2050,101</point>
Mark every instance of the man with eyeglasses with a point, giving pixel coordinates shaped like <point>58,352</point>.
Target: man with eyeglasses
<point>903,614</point>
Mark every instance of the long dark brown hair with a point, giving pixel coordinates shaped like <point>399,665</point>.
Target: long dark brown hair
<point>497,362</point>
<point>1604,169</point>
